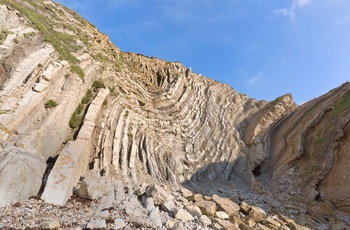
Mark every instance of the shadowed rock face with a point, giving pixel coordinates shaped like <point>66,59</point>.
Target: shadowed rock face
<point>159,120</point>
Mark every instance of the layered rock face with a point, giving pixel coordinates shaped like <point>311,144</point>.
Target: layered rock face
<point>68,93</point>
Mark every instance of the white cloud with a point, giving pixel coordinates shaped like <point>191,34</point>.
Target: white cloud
<point>290,12</point>
<point>258,77</point>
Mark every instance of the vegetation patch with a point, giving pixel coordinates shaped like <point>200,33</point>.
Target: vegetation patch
<point>79,71</point>
<point>62,42</point>
<point>3,35</point>
<point>77,117</point>
<point>87,98</point>
<point>341,105</point>
<point>50,104</point>
<point>98,84</point>
<point>319,139</point>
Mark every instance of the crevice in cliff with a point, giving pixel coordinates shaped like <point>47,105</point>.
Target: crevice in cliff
<point>50,163</point>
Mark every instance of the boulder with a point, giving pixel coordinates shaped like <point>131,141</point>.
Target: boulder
<point>245,208</point>
<point>271,223</point>
<point>257,214</point>
<point>194,210</point>
<point>154,216</point>
<point>119,223</point>
<point>21,175</point>
<point>204,220</point>
<point>186,193</point>
<point>207,207</point>
<point>195,197</point>
<point>226,205</point>
<point>158,194</point>
<point>183,215</point>
<point>226,225</point>
<point>95,187</point>
<point>222,215</point>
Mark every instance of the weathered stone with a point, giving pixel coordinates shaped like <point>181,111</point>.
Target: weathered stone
<point>154,216</point>
<point>249,221</point>
<point>340,226</point>
<point>158,194</point>
<point>119,191</point>
<point>97,224</point>
<point>245,208</point>
<point>95,187</point>
<point>194,210</point>
<point>186,193</point>
<point>222,215</point>
<point>226,225</point>
<point>183,215</point>
<point>207,207</point>
<point>18,170</point>
<point>119,223</point>
<point>226,205</point>
<point>51,224</point>
<point>196,197</point>
<point>168,206</point>
<point>67,170</point>
<point>204,220</point>
<point>149,204</point>
<point>271,223</point>
<point>257,214</point>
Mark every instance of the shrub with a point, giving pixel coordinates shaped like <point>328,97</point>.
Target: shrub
<point>98,84</point>
<point>76,117</point>
<point>87,98</point>
<point>50,103</point>
<point>79,71</point>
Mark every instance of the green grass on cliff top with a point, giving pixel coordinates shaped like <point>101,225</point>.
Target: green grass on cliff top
<point>62,42</point>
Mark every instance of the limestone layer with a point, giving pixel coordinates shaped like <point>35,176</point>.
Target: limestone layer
<point>68,92</point>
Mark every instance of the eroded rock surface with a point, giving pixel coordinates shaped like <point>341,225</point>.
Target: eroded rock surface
<point>68,93</point>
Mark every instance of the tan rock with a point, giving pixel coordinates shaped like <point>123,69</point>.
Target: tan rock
<point>186,192</point>
<point>257,214</point>
<point>245,208</point>
<point>271,223</point>
<point>226,225</point>
<point>196,197</point>
<point>183,215</point>
<point>226,205</point>
<point>207,207</point>
<point>194,210</point>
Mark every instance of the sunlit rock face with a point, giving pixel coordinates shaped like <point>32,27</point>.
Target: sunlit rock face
<point>68,92</point>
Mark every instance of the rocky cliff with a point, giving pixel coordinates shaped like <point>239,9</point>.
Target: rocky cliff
<point>76,109</point>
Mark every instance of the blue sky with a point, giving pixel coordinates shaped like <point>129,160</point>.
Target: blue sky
<point>263,48</point>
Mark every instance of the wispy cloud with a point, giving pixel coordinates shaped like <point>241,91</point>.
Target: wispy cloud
<point>255,79</point>
<point>291,11</point>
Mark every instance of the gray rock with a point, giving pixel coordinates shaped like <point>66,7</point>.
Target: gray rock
<point>97,224</point>
<point>149,204</point>
<point>154,216</point>
<point>168,206</point>
<point>119,191</point>
<point>158,194</point>
<point>20,175</point>
<point>119,223</point>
